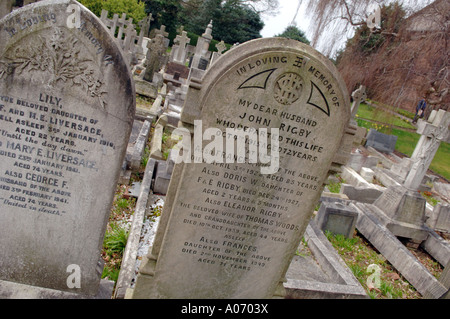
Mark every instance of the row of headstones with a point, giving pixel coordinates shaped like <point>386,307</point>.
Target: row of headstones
<point>124,31</point>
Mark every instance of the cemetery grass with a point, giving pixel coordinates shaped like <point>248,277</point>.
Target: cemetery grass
<point>366,111</point>
<point>117,232</point>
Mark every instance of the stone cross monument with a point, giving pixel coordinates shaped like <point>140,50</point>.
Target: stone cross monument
<point>433,132</point>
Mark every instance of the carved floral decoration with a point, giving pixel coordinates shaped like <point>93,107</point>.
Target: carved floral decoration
<point>59,56</point>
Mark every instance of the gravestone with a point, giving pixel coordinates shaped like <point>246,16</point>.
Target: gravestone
<point>337,218</point>
<point>180,48</point>
<point>201,49</point>
<point>402,206</point>
<point>153,63</point>
<point>440,218</point>
<point>67,104</point>
<point>229,230</point>
<point>123,30</point>
<point>380,141</point>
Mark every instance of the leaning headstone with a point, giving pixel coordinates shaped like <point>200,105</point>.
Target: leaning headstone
<point>380,141</point>
<point>230,230</point>
<point>66,110</point>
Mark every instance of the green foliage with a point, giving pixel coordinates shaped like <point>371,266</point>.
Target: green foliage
<point>406,140</point>
<point>358,255</point>
<point>164,12</point>
<point>134,9</point>
<point>94,5</point>
<point>145,157</point>
<point>335,187</point>
<point>292,32</point>
<point>115,240</point>
<point>366,111</point>
<point>232,21</point>
<point>123,203</point>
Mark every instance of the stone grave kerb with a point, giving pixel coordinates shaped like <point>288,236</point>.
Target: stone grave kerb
<point>202,92</point>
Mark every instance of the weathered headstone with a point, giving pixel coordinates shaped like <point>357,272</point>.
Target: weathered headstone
<point>229,230</point>
<point>440,219</point>
<point>67,104</point>
<point>180,52</point>
<point>144,24</point>
<point>402,207</point>
<point>123,30</point>
<point>153,63</point>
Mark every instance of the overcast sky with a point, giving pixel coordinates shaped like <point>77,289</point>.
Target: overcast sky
<point>276,24</point>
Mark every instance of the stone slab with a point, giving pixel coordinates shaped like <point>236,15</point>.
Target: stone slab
<point>337,218</point>
<point>380,141</point>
